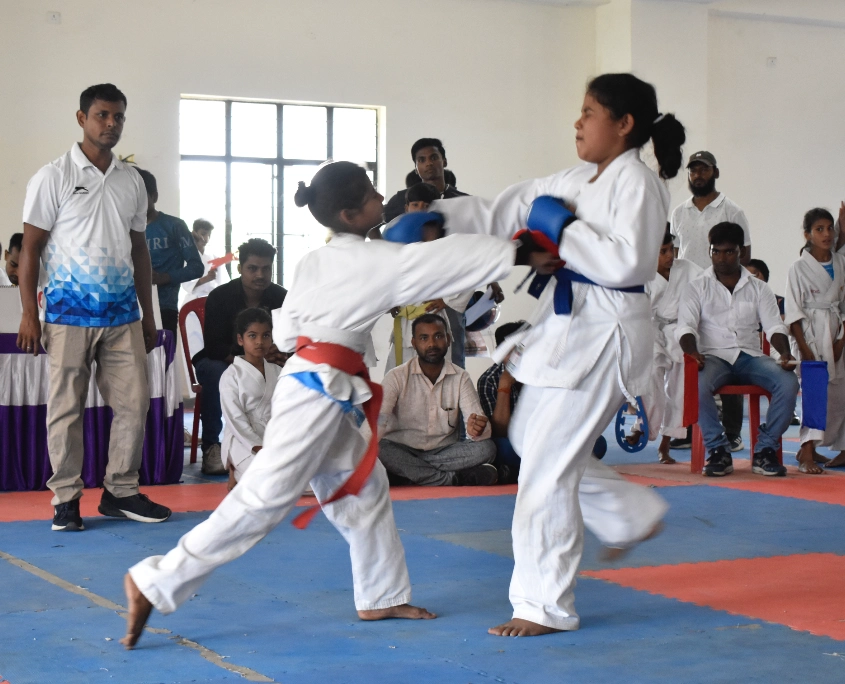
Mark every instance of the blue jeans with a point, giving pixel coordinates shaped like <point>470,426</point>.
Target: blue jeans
<point>747,370</point>
<point>209,372</point>
<point>505,454</point>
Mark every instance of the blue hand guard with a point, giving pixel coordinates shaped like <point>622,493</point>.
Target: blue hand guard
<point>620,428</point>
<point>409,227</point>
<point>548,217</point>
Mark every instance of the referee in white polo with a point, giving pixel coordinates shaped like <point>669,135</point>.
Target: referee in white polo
<point>84,218</point>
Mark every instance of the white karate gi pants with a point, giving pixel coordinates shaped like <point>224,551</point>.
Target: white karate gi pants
<point>834,436</point>
<point>308,439</point>
<point>664,403</point>
<point>553,430</point>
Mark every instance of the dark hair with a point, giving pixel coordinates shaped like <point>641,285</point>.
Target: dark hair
<point>256,247</point>
<point>421,192</point>
<point>449,177</point>
<point>761,266</point>
<point>727,232</point>
<point>412,178</point>
<point>103,91</point>
<point>623,94</point>
<point>249,316</point>
<point>810,218</point>
<point>16,242</point>
<point>506,330</point>
<point>427,142</point>
<point>427,318</point>
<point>667,236</point>
<point>336,186</point>
<point>149,180</point>
<point>202,224</point>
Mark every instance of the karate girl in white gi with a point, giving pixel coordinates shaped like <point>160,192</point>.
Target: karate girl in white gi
<point>815,307</point>
<point>246,393</point>
<point>664,401</point>
<point>338,293</point>
<point>579,367</point>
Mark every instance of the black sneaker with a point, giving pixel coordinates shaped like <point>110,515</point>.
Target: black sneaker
<point>482,475</point>
<point>136,507</point>
<point>66,517</point>
<point>795,420</point>
<point>719,464</point>
<point>765,462</point>
<point>682,442</point>
<point>736,443</point>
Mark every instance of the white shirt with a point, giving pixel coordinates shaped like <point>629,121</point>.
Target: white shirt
<point>724,323</point>
<point>189,290</point>
<point>691,227</point>
<point>88,256</point>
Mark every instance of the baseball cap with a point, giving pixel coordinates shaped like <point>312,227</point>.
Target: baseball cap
<point>703,158</point>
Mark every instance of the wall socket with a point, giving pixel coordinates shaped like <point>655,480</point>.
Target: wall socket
<point>54,17</point>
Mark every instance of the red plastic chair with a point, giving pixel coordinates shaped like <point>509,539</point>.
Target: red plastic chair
<point>753,392</point>
<point>195,306</point>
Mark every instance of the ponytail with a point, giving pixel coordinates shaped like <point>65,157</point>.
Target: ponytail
<point>336,186</point>
<point>623,94</point>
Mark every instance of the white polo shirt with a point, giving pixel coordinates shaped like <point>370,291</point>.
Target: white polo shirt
<point>88,257</point>
<point>691,226</point>
<point>724,323</point>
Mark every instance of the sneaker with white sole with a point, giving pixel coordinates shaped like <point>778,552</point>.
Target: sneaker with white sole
<point>765,462</point>
<point>66,517</point>
<point>137,507</point>
<point>212,462</point>
<point>736,443</point>
<point>719,464</point>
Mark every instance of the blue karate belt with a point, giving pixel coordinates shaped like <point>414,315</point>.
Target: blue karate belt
<point>563,288</point>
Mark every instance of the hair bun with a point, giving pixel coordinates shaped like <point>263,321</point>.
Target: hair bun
<point>304,194</point>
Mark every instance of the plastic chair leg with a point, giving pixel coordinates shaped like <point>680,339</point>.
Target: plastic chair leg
<point>696,464</point>
<point>196,429</point>
<point>754,420</point>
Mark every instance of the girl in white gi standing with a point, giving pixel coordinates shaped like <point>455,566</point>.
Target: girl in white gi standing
<point>339,291</point>
<point>664,402</point>
<point>246,393</point>
<point>815,307</point>
<point>578,368</point>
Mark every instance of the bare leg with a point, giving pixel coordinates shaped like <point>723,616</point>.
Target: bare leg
<point>405,611</point>
<point>611,554</point>
<point>663,452</point>
<point>139,612</point>
<point>523,628</point>
<point>634,437</point>
<point>230,485</point>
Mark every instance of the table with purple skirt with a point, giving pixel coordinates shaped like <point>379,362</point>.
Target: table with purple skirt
<point>24,385</point>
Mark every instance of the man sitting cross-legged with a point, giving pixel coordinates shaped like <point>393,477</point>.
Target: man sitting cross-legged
<point>719,319</point>
<point>423,401</point>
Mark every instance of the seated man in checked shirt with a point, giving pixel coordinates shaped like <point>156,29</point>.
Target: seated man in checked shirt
<point>423,401</point>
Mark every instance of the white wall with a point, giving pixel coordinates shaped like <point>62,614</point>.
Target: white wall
<point>777,131</point>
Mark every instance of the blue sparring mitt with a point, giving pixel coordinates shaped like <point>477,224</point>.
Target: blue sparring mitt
<point>408,228</point>
<point>547,218</point>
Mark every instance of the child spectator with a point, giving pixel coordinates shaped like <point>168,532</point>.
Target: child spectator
<point>212,276</point>
<point>174,256</point>
<point>246,392</point>
<point>814,308</point>
<point>759,269</point>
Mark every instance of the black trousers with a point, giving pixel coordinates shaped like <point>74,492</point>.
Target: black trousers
<point>732,408</point>
<point>170,321</point>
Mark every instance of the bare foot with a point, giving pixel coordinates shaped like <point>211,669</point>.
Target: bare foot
<point>139,611</point>
<point>836,461</point>
<point>517,627</point>
<point>611,554</point>
<point>634,437</point>
<point>806,460</point>
<point>818,458</point>
<point>404,612</point>
<point>663,452</point>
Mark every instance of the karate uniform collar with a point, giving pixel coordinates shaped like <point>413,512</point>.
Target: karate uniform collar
<point>79,158</point>
<point>448,369</point>
<point>340,239</point>
<point>715,203</point>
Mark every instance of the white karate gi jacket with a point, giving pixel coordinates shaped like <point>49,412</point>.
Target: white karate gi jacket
<point>246,400</point>
<point>819,303</point>
<point>340,290</point>
<point>615,242</point>
<point>665,295</point>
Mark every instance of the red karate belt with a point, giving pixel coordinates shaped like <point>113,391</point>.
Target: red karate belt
<point>352,363</point>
